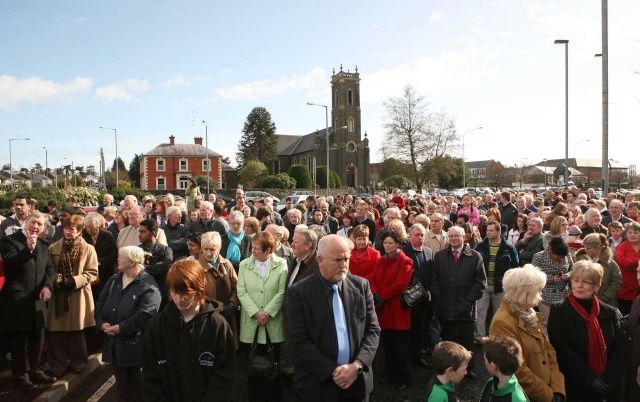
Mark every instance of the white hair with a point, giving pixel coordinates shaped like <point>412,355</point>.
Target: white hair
<point>208,205</point>
<point>456,229</point>
<point>523,285</point>
<point>324,242</point>
<point>134,253</point>
<point>174,210</point>
<point>212,238</point>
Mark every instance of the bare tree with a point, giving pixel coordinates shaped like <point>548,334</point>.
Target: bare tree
<point>441,134</point>
<point>406,136</point>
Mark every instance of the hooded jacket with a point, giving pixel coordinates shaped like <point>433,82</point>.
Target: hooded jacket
<point>511,392</point>
<point>190,361</point>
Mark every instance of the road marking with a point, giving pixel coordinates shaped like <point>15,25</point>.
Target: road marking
<point>102,390</point>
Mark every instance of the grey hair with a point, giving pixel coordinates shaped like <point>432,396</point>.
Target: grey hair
<point>325,240</point>
<point>173,210</point>
<point>94,219</point>
<point>36,215</point>
<point>310,237</point>
<point>393,210</point>
<point>295,211</point>
<point>235,214</point>
<point>109,196</point>
<point>457,229</point>
<point>207,205</point>
<point>111,209</point>
<point>417,227</point>
<point>590,211</point>
<point>134,253</point>
<point>212,238</point>
<point>537,220</point>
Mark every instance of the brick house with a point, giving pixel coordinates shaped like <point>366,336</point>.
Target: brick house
<point>162,167</point>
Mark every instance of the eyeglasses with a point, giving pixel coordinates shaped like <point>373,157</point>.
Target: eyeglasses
<point>582,282</point>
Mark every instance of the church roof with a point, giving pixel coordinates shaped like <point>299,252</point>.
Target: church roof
<point>297,144</point>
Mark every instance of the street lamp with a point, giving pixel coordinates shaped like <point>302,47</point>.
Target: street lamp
<point>326,122</point>
<point>115,133</point>
<point>545,173</point>
<point>565,42</point>
<point>464,173</point>
<point>206,146</point>
<point>10,159</point>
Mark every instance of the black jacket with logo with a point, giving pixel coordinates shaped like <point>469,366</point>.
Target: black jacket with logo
<point>190,361</point>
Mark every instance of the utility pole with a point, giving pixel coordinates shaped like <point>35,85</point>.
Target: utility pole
<point>605,99</point>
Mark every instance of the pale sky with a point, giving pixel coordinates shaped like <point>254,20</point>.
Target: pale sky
<point>155,68</point>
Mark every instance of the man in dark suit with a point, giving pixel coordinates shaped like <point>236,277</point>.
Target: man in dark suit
<point>304,262</point>
<point>334,329</point>
<point>23,310</point>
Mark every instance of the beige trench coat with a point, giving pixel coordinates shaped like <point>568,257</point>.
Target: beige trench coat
<point>81,307</point>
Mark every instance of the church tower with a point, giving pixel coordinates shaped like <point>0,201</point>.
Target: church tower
<point>349,153</point>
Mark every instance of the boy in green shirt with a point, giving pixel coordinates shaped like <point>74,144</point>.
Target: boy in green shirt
<point>449,361</point>
<point>502,357</point>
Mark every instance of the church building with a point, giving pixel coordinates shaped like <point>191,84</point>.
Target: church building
<point>348,151</point>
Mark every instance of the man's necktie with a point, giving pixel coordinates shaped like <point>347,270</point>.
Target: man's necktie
<point>456,257</point>
<point>341,327</point>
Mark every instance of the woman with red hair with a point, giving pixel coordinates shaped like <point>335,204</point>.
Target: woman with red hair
<point>188,348</point>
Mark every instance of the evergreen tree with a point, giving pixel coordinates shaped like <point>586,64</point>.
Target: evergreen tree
<point>134,170</point>
<point>259,141</point>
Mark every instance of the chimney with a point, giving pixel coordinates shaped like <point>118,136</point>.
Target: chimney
<point>197,140</point>
<point>172,140</point>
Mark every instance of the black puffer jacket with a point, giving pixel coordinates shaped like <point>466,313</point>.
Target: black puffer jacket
<point>506,258</point>
<point>190,361</point>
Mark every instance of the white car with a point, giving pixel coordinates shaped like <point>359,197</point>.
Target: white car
<point>249,196</point>
<point>295,200</point>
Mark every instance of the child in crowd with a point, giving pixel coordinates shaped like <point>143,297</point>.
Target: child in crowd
<point>502,357</point>
<point>616,235</point>
<point>449,361</point>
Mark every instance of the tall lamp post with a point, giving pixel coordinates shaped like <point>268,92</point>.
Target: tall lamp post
<point>115,133</point>
<point>565,42</point>
<point>46,165</point>
<point>545,173</point>
<point>326,122</point>
<point>464,166</point>
<point>10,157</point>
<point>206,146</point>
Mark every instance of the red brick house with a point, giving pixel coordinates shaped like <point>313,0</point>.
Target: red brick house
<point>162,167</point>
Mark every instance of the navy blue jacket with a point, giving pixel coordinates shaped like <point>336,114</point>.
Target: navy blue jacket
<point>506,258</point>
<point>130,308</point>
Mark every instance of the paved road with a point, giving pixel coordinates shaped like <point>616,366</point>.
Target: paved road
<point>100,387</point>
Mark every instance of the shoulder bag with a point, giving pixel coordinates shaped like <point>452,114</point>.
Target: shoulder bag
<point>264,364</point>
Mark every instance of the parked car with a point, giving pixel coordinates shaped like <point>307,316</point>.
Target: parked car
<point>296,198</point>
<point>252,195</point>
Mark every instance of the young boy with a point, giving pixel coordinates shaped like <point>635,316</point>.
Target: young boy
<point>449,361</point>
<point>502,357</point>
<point>615,235</point>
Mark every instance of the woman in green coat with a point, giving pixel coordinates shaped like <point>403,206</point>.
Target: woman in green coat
<point>261,285</point>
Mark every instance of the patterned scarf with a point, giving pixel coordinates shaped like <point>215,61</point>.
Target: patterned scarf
<point>597,346</point>
<point>69,263</point>
<point>528,316</point>
<point>233,251</point>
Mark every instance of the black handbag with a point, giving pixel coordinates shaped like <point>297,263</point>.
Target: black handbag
<point>414,294</point>
<point>262,365</point>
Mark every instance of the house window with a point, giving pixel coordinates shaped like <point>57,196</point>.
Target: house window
<point>184,165</point>
<point>349,97</point>
<point>161,183</point>
<point>183,184</point>
<point>160,165</point>
<point>205,164</point>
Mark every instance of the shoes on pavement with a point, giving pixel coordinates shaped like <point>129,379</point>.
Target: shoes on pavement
<point>23,383</point>
<point>40,377</point>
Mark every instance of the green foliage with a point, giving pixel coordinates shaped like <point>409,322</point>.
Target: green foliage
<point>134,170</point>
<point>301,175</point>
<point>259,141</point>
<point>86,195</point>
<point>397,181</point>
<point>446,171</point>
<point>321,178</point>
<point>201,181</point>
<point>252,173</point>
<point>280,180</point>
<point>121,165</point>
<point>393,167</point>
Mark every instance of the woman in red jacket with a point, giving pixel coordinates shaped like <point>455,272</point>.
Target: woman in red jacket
<point>627,256</point>
<point>391,276</point>
<point>364,257</point>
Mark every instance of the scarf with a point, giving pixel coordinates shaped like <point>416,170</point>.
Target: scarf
<point>528,316</point>
<point>233,251</point>
<point>69,263</point>
<point>597,346</point>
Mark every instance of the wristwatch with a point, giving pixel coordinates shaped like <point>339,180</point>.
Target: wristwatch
<point>358,366</point>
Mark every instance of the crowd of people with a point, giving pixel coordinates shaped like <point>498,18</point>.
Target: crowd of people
<point>179,293</point>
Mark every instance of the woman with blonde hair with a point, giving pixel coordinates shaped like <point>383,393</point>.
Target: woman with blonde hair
<point>558,228</point>
<point>596,249</point>
<point>540,376</point>
<point>588,338</point>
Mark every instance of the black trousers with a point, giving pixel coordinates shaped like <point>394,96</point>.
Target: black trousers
<point>262,389</point>
<point>127,383</point>
<point>66,350</point>
<point>396,348</point>
<point>459,332</point>
<point>420,335</point>
<point>26,350</point>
